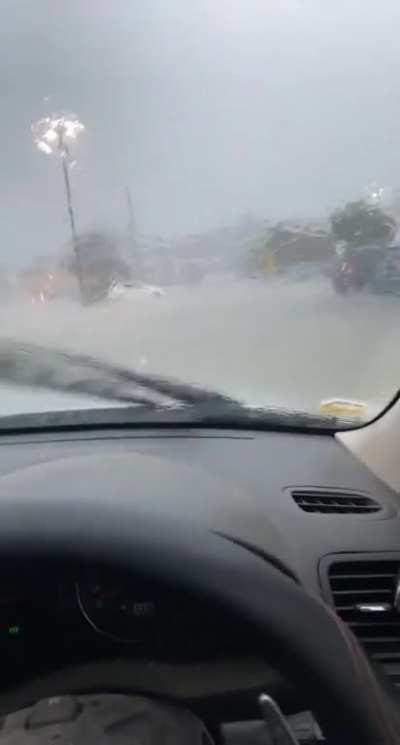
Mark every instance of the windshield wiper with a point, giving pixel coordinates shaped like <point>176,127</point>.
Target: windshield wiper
<point>148,399</point>
<point>50,369</point>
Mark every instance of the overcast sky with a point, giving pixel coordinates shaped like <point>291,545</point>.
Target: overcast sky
<point>208,109</point>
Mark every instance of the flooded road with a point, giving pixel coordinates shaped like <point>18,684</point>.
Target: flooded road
<point>279,343</point>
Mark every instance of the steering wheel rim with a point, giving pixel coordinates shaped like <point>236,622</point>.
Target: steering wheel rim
<point>323,656</point>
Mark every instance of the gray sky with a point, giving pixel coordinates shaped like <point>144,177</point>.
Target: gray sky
<point>208,109</point>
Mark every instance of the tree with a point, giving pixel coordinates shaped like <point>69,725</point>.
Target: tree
<point>362,224</point>
<point>100,264</point>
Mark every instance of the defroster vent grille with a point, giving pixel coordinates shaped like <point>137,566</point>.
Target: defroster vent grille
<point>334,502</point>
<point>364,594</point>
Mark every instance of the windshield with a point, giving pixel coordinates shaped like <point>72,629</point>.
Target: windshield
<point>206,191</point>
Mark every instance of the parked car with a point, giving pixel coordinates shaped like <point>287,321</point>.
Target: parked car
<point>120,290</point>
<point>387,277</point>
<point>358,268</point>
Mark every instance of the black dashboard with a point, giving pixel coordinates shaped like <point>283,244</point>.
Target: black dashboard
<point>245,485</point>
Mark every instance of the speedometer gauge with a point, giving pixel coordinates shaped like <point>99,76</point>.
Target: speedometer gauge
<point>116,606</point>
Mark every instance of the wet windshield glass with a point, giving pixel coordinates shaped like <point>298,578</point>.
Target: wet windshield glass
<point>207,191</point>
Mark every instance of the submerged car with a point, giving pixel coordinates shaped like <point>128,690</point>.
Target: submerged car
<point>372,268</point>
<point>120,290</point>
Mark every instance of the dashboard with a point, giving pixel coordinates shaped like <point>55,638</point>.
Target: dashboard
<point>244,485</point>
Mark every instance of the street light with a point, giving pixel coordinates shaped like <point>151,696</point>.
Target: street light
<point>54,136</point>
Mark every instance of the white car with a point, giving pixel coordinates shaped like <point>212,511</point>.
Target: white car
<point>123,289</point>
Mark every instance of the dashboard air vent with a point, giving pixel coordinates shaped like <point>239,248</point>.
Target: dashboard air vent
<point>366,595</point>
<point>332,502</point>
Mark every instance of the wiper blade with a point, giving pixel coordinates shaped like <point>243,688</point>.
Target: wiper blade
<point>149,399</point>
<point>228,415</point>
<point>50,369</point>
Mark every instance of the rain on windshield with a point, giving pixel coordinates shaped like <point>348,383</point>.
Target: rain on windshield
<point>206,190</point>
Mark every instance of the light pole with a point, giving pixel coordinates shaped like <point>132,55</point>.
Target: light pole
<point>135,254</point>
<point>52,135</point>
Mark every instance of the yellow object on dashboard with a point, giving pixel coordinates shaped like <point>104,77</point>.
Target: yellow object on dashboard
<point>343,407</point>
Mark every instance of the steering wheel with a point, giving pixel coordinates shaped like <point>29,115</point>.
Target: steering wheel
<point>322,657</point>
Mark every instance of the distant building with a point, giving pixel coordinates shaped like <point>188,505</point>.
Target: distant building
<point>294,244</point>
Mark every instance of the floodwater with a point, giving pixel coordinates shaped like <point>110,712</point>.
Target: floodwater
<point>279,343</point>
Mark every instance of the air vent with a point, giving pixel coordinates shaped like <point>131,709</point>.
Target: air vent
<point>364,595</point>
<point>335,503</point>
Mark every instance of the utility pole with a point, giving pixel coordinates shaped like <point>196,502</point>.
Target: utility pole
<point>50,136</point>
<point>74,234</point>
<point>132,230</point>
<point>64,154</point>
